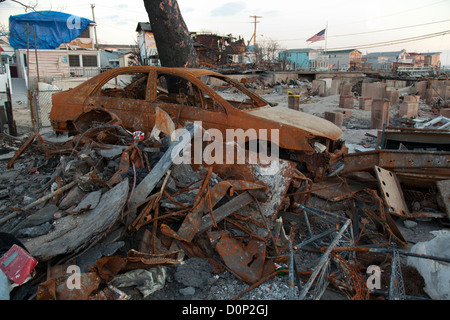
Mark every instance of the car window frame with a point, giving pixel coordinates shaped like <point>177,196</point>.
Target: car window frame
<point>197,84</point>
<point>259,101</point>
<point>97,90</point>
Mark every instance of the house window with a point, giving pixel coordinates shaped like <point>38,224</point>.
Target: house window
<point>74,60</point>
<point>89,61</point>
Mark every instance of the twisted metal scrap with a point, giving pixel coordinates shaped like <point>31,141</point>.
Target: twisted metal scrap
<point>356,281</point>
<point>324,261</point>
<point>396,286</point>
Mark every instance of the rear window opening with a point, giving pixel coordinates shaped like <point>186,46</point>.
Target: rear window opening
<point>129,86</point>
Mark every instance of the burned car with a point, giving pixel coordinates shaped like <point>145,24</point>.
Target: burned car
<point>132,95</point>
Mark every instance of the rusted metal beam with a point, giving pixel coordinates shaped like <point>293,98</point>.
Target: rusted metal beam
<point>392,192</point>
<point>396,159</point>
<point>426,138</point>
<point>225,210</point>
<point>191,224</point>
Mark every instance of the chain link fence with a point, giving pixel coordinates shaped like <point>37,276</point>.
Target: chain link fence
<point>42,102</point>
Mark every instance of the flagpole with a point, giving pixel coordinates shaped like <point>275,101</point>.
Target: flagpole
<point>326,38</point>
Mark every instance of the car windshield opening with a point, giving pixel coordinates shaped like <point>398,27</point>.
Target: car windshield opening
<point>233,93</point>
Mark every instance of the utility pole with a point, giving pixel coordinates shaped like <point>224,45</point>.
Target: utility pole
<point>254,33</point>
<point>95,25</point>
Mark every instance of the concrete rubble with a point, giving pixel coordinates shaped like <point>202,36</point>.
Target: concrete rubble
<point>140,227</point>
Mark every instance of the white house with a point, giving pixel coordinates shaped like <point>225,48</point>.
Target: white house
<point>384,60</point>
<point>147,44</point>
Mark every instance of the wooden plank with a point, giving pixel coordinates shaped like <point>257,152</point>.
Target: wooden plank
<point>146,186</point>
<point>76,232</point>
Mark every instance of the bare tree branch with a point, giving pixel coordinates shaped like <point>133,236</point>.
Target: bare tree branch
<point>27,7</point>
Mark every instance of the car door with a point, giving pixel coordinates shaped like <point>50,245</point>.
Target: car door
<point>184,101</point>
<point>126,95</point>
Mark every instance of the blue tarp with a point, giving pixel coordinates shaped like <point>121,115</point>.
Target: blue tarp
<point>52,29</point>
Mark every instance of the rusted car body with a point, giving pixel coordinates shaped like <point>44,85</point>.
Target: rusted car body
<point>105,97</point>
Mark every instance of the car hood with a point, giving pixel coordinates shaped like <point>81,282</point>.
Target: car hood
<point>301,120</point>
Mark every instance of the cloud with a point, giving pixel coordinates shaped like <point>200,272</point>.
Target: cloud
<point>187,10</point>
<point>114,19</point>
<point>272,13</point>
<point>121,6</point>
<point>229,9</point>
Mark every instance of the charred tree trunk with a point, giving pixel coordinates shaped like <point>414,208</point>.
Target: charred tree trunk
<point>175,47</point>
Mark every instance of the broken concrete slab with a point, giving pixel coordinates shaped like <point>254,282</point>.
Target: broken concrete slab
<point>76,232</point>
<point>277,184</point>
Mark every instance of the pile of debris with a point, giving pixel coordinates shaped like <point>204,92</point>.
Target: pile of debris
<point>108,209</point>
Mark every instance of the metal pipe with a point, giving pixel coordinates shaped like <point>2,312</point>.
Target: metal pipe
<point>324,260</point>
<point>314,238</point>
<point>383,250</point>
<point>311,209</point>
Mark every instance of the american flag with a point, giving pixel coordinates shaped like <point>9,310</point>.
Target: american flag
<point>318,36</point>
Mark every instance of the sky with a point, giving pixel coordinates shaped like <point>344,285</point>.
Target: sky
<point>366,25</point>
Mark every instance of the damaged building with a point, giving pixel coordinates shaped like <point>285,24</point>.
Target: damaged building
<point>217,50</point>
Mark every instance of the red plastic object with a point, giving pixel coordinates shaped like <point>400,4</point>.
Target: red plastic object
<point>17,264</point>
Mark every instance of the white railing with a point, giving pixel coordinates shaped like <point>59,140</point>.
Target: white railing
<point>84,71</point>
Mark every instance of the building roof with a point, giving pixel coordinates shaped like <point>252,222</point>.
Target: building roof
<point>106,46</point>
<point>143,26</point>
<point>384,54</point>
<point>430,53</point>
<point>52,28</point>
<point>300,50</point>
<point>341,51</point>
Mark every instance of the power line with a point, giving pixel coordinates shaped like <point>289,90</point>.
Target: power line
<point>391,29</point>
<point>396,13</point>
<point>367,32</point>
<point>393,42</point>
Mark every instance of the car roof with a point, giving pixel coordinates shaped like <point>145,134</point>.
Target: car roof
<point>195,72</point>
